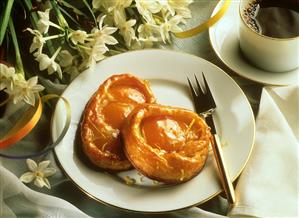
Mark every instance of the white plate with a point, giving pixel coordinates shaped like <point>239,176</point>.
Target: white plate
<point>166,71</point>
<point>225,42</point>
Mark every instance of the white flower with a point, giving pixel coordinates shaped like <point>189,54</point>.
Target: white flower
<point>94,49</point>
<point>23,90</point>
<point>180,7</point>
<point>49,63</point>
<point>17,87</point>
<point>114,7</point>
<point>37,42</point>
<point>65,58</point>
<point>96,4</point>
<point>149,31</point>
<point>103,34</point>
<point>102,37</point>
<point>125,28</point>
<point>6,75</point>
<point>176,7</point>
<point>111,5</point>
<point>78,36</point>
<point>92,55</point>
<point>44,22</point>
<point>127,31</point>
<point>38,173</point>
<point>170,26</point>
<point>147,8</point>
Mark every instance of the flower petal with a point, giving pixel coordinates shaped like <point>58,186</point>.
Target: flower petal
<point>29,98</point>
<point>39,182</point>
<point>96,4</point>
<point>37,88</point>
<point>110,40</point>
<point>44,61</point>
<point>31,165</point>
<point>109,30</point>
<point>49,171</point>
<point>131,22</point>
<point>43,165</point>
<point>32,81</point>
<point>59,71</point>
<point>27,177</point>
<point>47,183</point>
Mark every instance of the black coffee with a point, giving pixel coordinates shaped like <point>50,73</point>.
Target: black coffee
<point>273,18</point>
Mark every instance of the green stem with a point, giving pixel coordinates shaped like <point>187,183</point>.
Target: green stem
<point>53,37</point>
<point>70,17</point>
<point>90,10</point>
<point>56,26</point>
<point>68,5</point>
<point>56,53</point>
<point>84,47</point>
<point>34,17</point>
<point>59,15</point>
<point>5,19</point>
<point>19,63</point>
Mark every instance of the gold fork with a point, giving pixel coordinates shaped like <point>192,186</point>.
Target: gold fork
<point>205,106</point>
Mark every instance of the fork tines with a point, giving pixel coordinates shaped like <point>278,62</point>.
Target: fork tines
<point>208,91</point>
<point>203,100</point>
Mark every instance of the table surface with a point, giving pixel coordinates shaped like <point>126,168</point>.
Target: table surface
<point>62,187</point>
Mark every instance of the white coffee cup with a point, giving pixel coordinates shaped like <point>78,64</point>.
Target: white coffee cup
<point>267,53</point>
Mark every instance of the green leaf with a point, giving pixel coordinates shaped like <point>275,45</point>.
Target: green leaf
<point>68,5</point>
<point>90,10</point>
<point>61,20</point>
<point>5,19</point>
<point>19,63</point>
<point>33,15</point>
<point>69,16</point>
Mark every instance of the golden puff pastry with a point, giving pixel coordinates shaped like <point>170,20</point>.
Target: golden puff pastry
<point>165,143</point>
<point>105,114</point>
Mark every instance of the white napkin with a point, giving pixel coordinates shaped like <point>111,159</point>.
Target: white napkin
<point>268,187</point>
<point>17,200</point>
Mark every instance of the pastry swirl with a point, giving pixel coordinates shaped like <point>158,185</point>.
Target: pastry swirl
<point>165,143</point>
<point>104,116</point>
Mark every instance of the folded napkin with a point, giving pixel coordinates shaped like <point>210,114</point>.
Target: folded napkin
<point>268,186</point>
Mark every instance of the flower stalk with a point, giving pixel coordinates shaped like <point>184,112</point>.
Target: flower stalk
<point>90,10</point>
<point>60,17</point>
<point>19,63</point>
<point>5,19</point>
<point>33,17</point>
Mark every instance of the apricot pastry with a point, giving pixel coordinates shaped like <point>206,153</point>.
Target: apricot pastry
<point>105,114</point>
<point>165,143</point>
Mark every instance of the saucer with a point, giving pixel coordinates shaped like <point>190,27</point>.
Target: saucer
<point>225,42</point>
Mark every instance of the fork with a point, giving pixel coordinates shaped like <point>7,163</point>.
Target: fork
<point>205,106</point>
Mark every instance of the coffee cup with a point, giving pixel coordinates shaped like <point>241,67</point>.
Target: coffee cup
<point>270,53</point>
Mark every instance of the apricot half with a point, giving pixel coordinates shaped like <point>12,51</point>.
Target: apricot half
<point>165,143</point>
<point>104,116</point>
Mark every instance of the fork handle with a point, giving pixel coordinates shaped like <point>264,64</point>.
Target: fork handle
<point>224,176</point>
